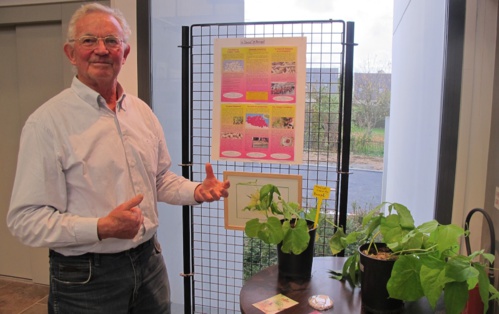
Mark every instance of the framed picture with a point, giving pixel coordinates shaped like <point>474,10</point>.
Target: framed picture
<point>244,184</point>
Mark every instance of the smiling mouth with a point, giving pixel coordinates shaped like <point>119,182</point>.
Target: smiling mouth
<point>101,66</point>
<point>101,62</point>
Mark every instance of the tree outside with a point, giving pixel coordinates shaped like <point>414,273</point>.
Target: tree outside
<point>371,100</point>
<point>370,107</point>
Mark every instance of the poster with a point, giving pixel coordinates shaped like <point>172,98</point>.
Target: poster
<point>259,99</point>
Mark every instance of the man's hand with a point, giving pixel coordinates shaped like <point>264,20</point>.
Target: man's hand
<point>123,222</point>
<point>211,189</point>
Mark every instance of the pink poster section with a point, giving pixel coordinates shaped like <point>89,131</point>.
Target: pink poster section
<point>259,75</point>
<point>257,131</point>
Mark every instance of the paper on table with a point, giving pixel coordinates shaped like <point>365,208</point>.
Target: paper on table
<point>275,304</point>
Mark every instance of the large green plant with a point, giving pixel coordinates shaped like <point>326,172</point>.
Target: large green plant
<point>285,222</point>
<point>427,262</point>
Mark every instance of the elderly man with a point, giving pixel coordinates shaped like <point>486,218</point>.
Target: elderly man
<point>93,163</point>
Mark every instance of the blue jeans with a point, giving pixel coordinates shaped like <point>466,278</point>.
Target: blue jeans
<point>134,281</point>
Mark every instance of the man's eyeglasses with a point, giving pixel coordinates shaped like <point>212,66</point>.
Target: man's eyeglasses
<point>111,42</point>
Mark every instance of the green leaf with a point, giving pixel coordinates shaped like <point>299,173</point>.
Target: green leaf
<point>483,285</point>
<point>433,280</point>
<point>446,237</point>
<point>268,189</point>
<point>352,237</point>
<point>310,215</point>
<point>351,271</point>
<point>265,202</point>
<point>489,257</point>
<point>296,239</point>
<point>475,254</point>
<point>291,210</point>
<point>372,214</point>
<point>373,225</point>
<point>271,232</point>
<point>404,283</point>
<point>267,198</point>
<point>455,297</point>
<point>413,240</point>
<point>428,227</point>
<point>459,269</point>
<point>406,220</point>
<point>252,227</point>
<point>274,209</point>
<point>494,294</point>
<point>390,228</point>
<point>392,232</point>
<point>335,242</point>
<point>354,271</point>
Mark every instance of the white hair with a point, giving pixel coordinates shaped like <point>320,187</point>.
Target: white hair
<point>96,7</point>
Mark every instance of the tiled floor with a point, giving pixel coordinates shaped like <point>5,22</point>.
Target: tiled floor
<point>22,297</point>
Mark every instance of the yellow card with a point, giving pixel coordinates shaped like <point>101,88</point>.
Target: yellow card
<point>275,304</point>
<point>321,191</point>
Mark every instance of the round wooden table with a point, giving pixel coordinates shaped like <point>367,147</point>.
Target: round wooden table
<point>267,283</point>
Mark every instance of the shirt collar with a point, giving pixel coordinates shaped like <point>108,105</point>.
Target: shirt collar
<point>93,98</point>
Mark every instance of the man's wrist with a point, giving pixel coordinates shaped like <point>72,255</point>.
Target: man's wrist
<point>100,229</point>
<point>197,194</point>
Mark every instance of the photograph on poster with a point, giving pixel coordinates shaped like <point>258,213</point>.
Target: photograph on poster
<point>245,184</point>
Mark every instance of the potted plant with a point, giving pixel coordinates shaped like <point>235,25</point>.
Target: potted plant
<point>426,259</point>
<point>286,225</point>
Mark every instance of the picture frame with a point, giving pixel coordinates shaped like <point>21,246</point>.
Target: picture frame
<point>244,184</point>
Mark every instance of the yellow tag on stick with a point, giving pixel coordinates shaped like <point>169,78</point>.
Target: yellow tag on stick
<point>321,192</point>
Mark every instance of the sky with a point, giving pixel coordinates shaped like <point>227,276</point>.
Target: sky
<point>373,23</point>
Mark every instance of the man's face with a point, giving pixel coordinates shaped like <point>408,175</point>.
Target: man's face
<point>99,65</point>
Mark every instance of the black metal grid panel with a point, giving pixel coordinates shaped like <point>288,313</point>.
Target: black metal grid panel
<point>221,258</point>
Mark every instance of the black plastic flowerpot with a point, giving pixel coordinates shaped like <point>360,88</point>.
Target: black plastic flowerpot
<point>299,266</point>
<point>374,274</point>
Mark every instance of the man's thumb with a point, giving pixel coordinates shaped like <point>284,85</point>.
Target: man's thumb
<point>134,201</point>
<point>209,170</point>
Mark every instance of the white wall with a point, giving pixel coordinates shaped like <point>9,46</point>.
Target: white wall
<point>413,143</point>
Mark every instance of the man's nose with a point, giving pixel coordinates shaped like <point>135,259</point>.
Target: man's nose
<point>100,45</point>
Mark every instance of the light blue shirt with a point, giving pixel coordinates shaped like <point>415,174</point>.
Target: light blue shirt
<point>78,160</point>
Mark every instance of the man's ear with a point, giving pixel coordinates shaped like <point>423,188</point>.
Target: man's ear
<point>126,51</point>
<point>69,51</point>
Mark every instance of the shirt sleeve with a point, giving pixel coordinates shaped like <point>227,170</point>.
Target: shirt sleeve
<point>172,188</point>
<point>38,214</point>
